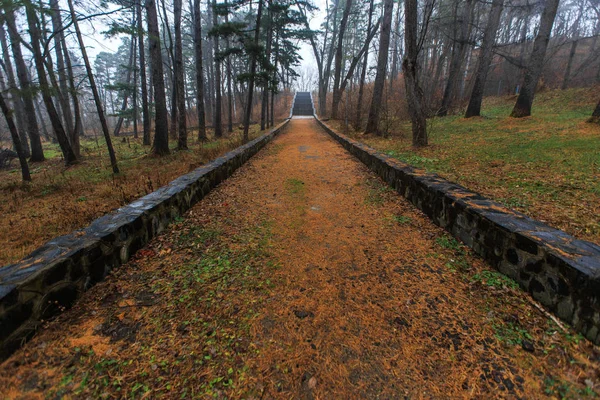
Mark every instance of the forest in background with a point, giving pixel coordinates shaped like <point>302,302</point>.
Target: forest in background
<point>185,67</point>
<point>182,70</point>
<point>380,63</point>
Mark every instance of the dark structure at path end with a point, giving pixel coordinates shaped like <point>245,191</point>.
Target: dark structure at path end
<point>303,104</point>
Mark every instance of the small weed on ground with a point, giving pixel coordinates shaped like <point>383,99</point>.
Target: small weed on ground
<point>402,219</point>
<point>377,192</point>
<point>510,333</point>
<point>495,279</point>
<point>295,186</point>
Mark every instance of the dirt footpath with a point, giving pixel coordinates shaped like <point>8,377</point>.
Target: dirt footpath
<point>303,276</point>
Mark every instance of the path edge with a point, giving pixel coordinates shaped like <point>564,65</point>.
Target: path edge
<point>53,277</point>
<point>558,270</point>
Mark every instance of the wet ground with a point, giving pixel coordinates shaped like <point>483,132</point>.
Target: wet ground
<point>303,276</point>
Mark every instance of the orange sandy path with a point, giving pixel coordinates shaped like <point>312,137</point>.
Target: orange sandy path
<point>353,298</point>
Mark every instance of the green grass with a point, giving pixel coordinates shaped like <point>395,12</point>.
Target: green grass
<point>295,186</point>
<point>510,333</point>
<point>376,192</point>
<point>494,279</point>
<point>565,390</point>
<point>448,242</point>
<point>402,219</point>
<point>546,165</point>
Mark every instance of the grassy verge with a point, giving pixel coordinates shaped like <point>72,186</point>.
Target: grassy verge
<point>547,165</point>
<point>60,200</point>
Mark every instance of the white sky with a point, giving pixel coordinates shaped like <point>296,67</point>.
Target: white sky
<point>315,23</point>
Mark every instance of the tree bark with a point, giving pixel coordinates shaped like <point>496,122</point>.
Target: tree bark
<point>395,48</point>
<point>218,120</point>
<point>595,118</point>
<point>172,68</point>
<point>485,59</point>
<point>37,153</point>
<point>274,88</point>
<point>536,62</point>
<point>382,60</point>
<point>62,76</point>
<point>134,99</point>
<point>324,84</point>
<point>14,94</point>
<point>264,118</point>
<point>456,61</point>
<point>199,72</point>
<point>78,124</point>
<point>337,95</point>
<point>229,91</point>
<point>130,67</point>
<point>16,140</point>
<point>96,95</point>
<point>179,82</point>
<point>567,76</point>
<point>414,94</point>
<point>59,131</point>
<point>143,81</point>
<point>161,122</point>
<point>253,62</point>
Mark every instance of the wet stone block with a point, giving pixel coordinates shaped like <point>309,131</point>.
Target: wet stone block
<point>12,318</point>
<point>59,298</point>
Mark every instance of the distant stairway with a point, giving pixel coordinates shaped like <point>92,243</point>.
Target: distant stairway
<point>303,104</point>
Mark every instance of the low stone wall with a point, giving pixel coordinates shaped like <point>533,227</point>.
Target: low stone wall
<point>559,271</point>
<point>51,278</point>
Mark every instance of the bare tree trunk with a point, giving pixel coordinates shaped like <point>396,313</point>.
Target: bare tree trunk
<point>179,83</point>
<point>199,72</point>
<point>37,153</point>
<point>172,68</point>
<point>134,99</point>
<point>456,62</point>
<point>337,95</point>
<point>567,76</point>
<point>209,70</point>
<point>382,60</point>
<point>62,76</point>
<point>229,91</point>
<point>14,94</point>
<point>40,118</point>
<point>536,61</point>
<point>161,123</point>
<point>395,51</point>
<point>274,89</point>
<point>485,59</point>
<point>78,124</point>
<point>26,176</point>
<point>90,74</point>
<point>595,118</point>
<point>130,67</point>
<point>264,118</point>
<point>142,50</point>
<point>414,94</point>
<point>253,62</point>
<point>363,75</point>
<point>324,86</point>
<point>218,103</point>
<point>59,131</point>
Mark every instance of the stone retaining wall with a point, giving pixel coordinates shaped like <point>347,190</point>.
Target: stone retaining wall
<point>561,272</point>
<point>51,278</point>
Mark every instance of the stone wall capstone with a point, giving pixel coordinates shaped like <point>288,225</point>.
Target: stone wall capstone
<point>51,278</point>
<point>560,271</point>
